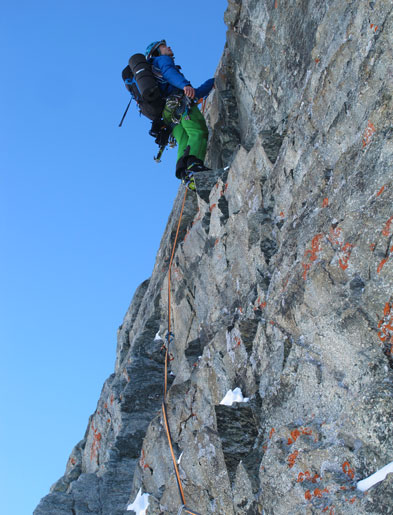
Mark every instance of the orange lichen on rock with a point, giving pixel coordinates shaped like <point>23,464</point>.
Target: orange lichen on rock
<point>348,470</point>
<point>343,262</point>
<point>272,431</point>
<point>306,268</point>
<point>317,493</point>
<point>292,459</point>
<point>381,191</point>
<point>260,305</point>
<point>334,236</point>
<point>368,134</point>
<point>343,248</point>
<point>385,326</point>
<point>142,463</point>
<point>386,230</point>
<point>312,254</point>
<point>294,436</point>
<point>297,432</point>
<point>96,443</point>
<point>303,476</point>
<point>381,265</point>
<point>315,248</point>
<point>325,202</point>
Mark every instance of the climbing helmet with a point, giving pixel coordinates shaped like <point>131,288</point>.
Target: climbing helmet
<point>153,47</point>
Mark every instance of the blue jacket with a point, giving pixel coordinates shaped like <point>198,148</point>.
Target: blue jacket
<point>170,79</point>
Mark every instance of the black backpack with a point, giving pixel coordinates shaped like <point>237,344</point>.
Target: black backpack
<point>141,83</point>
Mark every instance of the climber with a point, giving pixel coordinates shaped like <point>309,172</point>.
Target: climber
<point>181,111</point>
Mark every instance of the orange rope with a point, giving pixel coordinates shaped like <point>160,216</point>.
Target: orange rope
<point>169,336</point>
<point>169,293</point>
<point>165,416</point>
<point>202,101</point>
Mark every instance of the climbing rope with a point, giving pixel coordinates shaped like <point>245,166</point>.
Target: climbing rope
<point>170,335</point>
<point>202,101</point>
<point>169,340</point>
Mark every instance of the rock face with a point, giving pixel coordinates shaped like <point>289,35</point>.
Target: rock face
<point>282,285</point>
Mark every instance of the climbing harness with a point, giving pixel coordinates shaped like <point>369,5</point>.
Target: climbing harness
<point>177,106</point>
<point>170,339</point>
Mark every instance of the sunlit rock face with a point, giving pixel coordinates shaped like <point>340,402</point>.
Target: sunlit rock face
<point>281,285</point>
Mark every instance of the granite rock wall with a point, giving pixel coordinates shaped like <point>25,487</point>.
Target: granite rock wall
<point>282,285</point>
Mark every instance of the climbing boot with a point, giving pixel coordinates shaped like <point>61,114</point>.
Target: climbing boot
<point>195,165</point>
<point>189,180</point>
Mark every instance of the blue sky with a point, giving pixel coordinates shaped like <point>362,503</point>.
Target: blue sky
<point>82,210</point>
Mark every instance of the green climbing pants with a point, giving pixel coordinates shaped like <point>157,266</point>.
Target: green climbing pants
<point>192,132</point>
